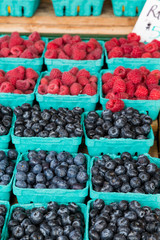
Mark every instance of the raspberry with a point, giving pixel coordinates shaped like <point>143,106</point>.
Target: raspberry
<point>21,72</point>
<point>81,45</point>
<point>141,92</point>
<point>106,77</point>
<point>122,95</point>
<point>135,76</point>
<point>146,55</point>
<point>15,34</point>
<point>33,50</point>
<point>51,54</point>
<point>122,41</point>
<point>110,95</point>
<point>156,54</point>
<point>68,78</point>
<point>116,41</point>
<point>136,52</point>
<point>94,85</point>
<point>115,105</point>
<point>5,44</point>
<point>119,86</point>
<point>116,53</point>
<point>27,54</point>
<point>53,88</point>
<point>127,49</point>
<point>5,52</point>
<point>62,55</point>
<point>28,92</point>
<point>13,76</point>
<point>144,70</point>
<point>133,37</point>
<point>22,85</point>
<point>90,57</point>
<point>42,89</point>
<point>78,54</point>
<point>16,91</point>
<point>75,89</point>
<point>35,36</point>
<point>28,43</point>
<point>30,73</point>
<point>56,81</point>
<point>120,71</point>
<point>111,81</point>
<point>130,89</point>
<point>17,50</point>
<point>93,79</point>
<point>55,73</point>
<point>152,79</point>
<point>105,88</point>
<point>32,83</point>
<point>6,87</point>
<point>97,53</point>
<point>151,47</point>
<point>109,45</point>
<point>154,94</point>
<point>152,86</point>
<point>67,38</point>
<point>2,79</point>
<point>83,81</point>
<point>83,73</point>
<point>157,42</point>
<point>90,46</point>
<point>68,50</point>
<point>74,71</point>
<point>64,90</point>
<point>14,41</point>
<point>76,39</point>
<point>39,45</point>
<point>156,73</point>
<point>2,73</point>
<point>52,46</point>
<point>58,41</point>
<point>89,90</point>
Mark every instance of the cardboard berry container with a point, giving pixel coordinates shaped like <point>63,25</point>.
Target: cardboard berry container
<point>152,107</point>
<point>82,206</point>
<point>7,205</point>
<point>23,144</point>
<point>143,202</point>
<point>123,196</point>
<point>5,190</point>
<point>149,63</point>
<point>36,64</point>
<point>68,101</point>
<point>96,147</point>
<point>18,8</point>
<point>5,139</point>
<point>77,7</point>
<point>127,8</point>
<point>13,100</point>
<point>66,64</point>
<point>28,195</point>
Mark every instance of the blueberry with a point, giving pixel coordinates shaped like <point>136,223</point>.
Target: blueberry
<point>12,154</point>
<point>79,159</point>
<point>82,177</point>
<point>36,217</point>
<point>2,155</point>
<point>62,156</point>
<point>21,176</point>
<point>114,132</point>
<point>37,169</point>
<point>61,171</point>
<point>21,184</point>
<point>48,174</point>
<point>17,232</point>
<point>120,122</point>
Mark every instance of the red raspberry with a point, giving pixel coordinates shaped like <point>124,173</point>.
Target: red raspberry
<point>111,81</point>
<point>14,41</point>
<point>90,46</point>
<point>151,47</point>
<point>64,90</point>
<point>32,83</point>
<point>55,73</point>
<point>74,71</point>
<point>141,92</point>
<point>33,50</point>
<point>156,73</point>
<point>2,73</point>
<point>122,41</point>
<point>109,45</point>
<point>110,95</point>
<point>42,89</point>
<point>90,57</point>
<point>28,43</point>
<point>120,71</point>
<point>116,41</point>
<point>83,81</point>
<point>51,54</point>
<point>119,86</point>
<point>68,78</point>
<point>152,86</point>
<point>135,76</point>
<point>97,53</point>
<point>13,75</point>
<point>56,81</point>
<point>133,37</point>
<point>93,79</point>
<point>156,54</point>
<point>27,54</point>
<point>76,39</point>
<point>52,46</point>
<point>44,81</point>
<point>53,88</point>
<point>28,92</point>
<point>127,48</point>
<point>5,44</point>
<point>17,50</point>
<point>16,91</point>
<point>58,41</point>
<point>115,105</point>
<point>89,90</point>
<point>146,55</point>
<point>154,94</point>
<point>83,73</point>
<point>122,95</point>
<point>105,88</point>
<point>21,72</point>
<point>136,52</point>
<point>30,73</point>
<point>78,54</point>
<point>98,45</point>
<point>75,89</point>
<point>106,77</point>
<point>68,50</point>
<point>22,85</point>
<point>144,71</point>
<point>35,36</point>
<point>2,79</point>
<point>62,55</point>
<point>67,38</point>
<point>116,52</point>
<point>6,87</point>
<point>39,45</point>
<point>15,34</point>
<point>5,38</point>
<point>152,79</point>
<point>81,46</point>
<point>157,42</point>
<point>130,89</point>
<point>94,85</point>
<point>5,52</point>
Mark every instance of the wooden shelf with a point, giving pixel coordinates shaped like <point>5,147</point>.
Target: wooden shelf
<point>45,22</point>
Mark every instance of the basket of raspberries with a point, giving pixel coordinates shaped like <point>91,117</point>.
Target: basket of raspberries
<point>130,52</point>
<point>139,88</point>
<point>24,51</point>
<point>68,51</point>
<point>74,88</point>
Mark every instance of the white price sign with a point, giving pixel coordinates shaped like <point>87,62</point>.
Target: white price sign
<point>148,24</point>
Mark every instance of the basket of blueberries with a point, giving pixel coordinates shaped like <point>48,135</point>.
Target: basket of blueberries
<point>48,129</point>
<point>108,132</point>
<point>46,176</point>
<point>125,177</point>
<point>4,214</point>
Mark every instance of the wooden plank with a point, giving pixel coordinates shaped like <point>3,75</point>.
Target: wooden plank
<point>155,127</point>
<point>154,150</point>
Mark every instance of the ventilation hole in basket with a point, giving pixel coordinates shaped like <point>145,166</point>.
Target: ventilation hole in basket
<point>137,10</point>
<point>136,154</point>
<point>123,8</point>
<point>78,10</point>
<point>9,9</point>
<point>101,154</point>
<point>22,11</point>
<point>64,10</point>
<point>119,154</point>
<point>31,202</point>
<point>147,112</point>
<point>91,10</point>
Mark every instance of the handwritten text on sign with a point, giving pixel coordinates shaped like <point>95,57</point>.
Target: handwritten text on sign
<point>148,24</point>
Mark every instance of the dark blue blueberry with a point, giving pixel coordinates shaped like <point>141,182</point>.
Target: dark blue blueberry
<point>21,184</point>
<point>82,177</point>
<point>79,159</point>
<point>23,166</point>
<point>37,169</point>
<point>21,176</point>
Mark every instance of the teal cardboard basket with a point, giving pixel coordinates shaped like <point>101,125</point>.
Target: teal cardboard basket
<point>149,63</point>
<point>23,144</point>
<point>68,101</point>
<point>152,107</point>
<point>128,8</point>
<point>7,64</point>
<point>18,8</point>
<point>28,195</point>
<point>144,202</point>
<point>5,190</point>
<point>67,64</point>
<point>117,145</point>
<point>82,206</point>
<point>5,139</point>
<point>123,196</point>
<point>77,7</point>
<point>13,100</point>
<point>4,229</point>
